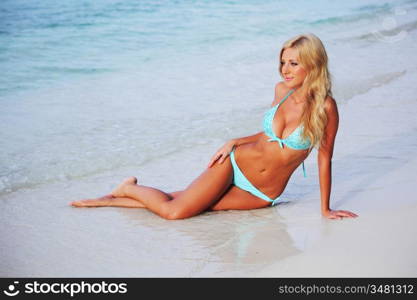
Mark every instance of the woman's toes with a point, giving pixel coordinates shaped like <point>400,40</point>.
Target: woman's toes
<point>131,180</point>
<point>79,203</point>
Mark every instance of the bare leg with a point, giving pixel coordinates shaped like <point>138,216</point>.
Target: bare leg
<point>108,200</point>
<point>202,193</point>
<point>212,190</point>
<point>234,199</point>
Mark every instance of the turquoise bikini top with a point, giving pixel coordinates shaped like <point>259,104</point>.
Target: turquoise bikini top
<point>294,140</point>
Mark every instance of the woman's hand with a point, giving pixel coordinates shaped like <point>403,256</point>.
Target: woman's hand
<point>222,153</point>
<point>338,214</point>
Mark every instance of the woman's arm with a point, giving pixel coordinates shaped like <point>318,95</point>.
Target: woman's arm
<point>225,150</point>
<point>325,155</point>
<point>246,139</point>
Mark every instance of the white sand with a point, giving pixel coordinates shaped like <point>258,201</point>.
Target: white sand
<point>374,245</point>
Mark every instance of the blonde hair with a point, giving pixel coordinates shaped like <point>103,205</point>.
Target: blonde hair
<point>313,58</point>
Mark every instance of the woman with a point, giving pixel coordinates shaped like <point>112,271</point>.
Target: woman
<point>251,172</point>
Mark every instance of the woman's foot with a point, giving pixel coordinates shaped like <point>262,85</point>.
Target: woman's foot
<point>96,202</point>
<point>119,191</point>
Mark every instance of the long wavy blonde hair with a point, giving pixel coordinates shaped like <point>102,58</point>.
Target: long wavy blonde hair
<point>313,58</point>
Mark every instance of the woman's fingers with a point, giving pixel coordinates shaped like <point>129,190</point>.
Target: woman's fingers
<point>334,216</point>
<point>222,158</point>
<point>340,214</point>
<point>221,154</point>
<point>213,159</point>
<point>347,214</point>
<point>219,157</point>
<point>353,214</point>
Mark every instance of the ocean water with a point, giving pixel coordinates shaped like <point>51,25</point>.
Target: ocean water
<point>94,87</point>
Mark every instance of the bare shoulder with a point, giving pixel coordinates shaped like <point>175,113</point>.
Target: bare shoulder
<point>280,85</point>
<point>330,105</point>
<point>281,88</point>
<point>280,91</point>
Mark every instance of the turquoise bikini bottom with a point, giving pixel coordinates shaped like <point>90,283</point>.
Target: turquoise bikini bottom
<point>242,182</point>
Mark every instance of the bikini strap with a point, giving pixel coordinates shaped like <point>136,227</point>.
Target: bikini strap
<point>286,96</point>
<point>304,170</point>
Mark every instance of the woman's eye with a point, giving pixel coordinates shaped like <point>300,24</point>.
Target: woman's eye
<point>292,64</point>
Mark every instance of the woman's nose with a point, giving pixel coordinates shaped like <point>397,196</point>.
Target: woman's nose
<point>284,68</point>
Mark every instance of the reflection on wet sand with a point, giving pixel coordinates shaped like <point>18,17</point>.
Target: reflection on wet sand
<point>215,243</point>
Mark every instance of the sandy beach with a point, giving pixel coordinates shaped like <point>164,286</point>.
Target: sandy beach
<point>43,236</point>
<point>374,175</point>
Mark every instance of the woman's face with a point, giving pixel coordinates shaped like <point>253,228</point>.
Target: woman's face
<point>291,69</point>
